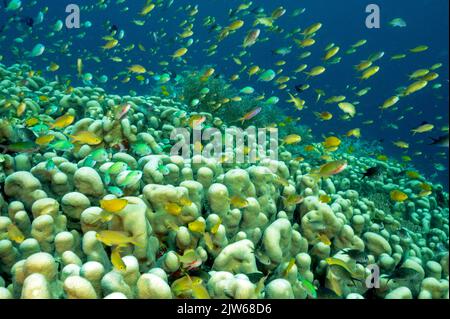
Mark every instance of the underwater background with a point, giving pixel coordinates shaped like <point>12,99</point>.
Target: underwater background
<point>427,24</point>
<point>94,203</point>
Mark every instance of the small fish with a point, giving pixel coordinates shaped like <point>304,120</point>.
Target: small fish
<point>289,267</point>
<point>15,234</point>
<point>349,269</point>
<point>196,120</point>
<point>248,116</point>
<point>309,286</point>
<point>173,209</point>
<point>20,147</point>
<point>117,168</point>
<point>197,226</point>
<point>116,259</point>
<point>115,238</point>
<point>292,139</point>
<point>372,172</point>
<point>190,257</point>
<point>86,137</point>
<point>44,140</point>
<point>293,199</point>
<point>215,228</point>
<point>423,128</point>
<point>123,111</point>
<point>325,199</point>
<point>113,205</point>
<point>329,169</point>
<point>323,238</point>
<point>398,22</point>
<point>61,145</point>
<point>63,121</point>
<point>398,196</point>
<point>131,178</point>
<point>238,202</point>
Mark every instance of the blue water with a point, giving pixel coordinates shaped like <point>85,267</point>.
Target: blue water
<point>343,24</point>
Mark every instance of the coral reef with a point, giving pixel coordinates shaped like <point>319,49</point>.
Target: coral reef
<point>233,228</point>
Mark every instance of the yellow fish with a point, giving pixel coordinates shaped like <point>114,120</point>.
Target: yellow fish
<point>147,9</point>
<point>332,142</point>
<point>110,44</point>
<point>136,68</point>
<point>116,259</point>
<point>293,199</point>
<point>331,53</point>
<point>325,199</point>
<point>44,140</point>
<point>185,201</point>
<point>208,241</point>
<point>86,137</point>
<point>299,103</point>
<point>215,228</point>
<point>413,174</point>
<point>426,127</point>
<point>363,65</point>
<point>173,209</point>
<point>289,267</point>
<point>398,196</point>
<point>324,116</point>
<point>419,48</point>
<point>401,144</point>
<point>197,226</point>
<point>21,108</point>
<point>329,169</point>
<point>238,202</point>
<point>235,25</point>
<point>347,108</point>
<point>356,132</point>
<point>179,53</point>
<point>419,73</point>
<point>390,102</point>
<point>370,72</point>
<point>15,234</point>
<point>63,121</point>
<point>338,262</point>
<point>184,285</point>
<point>318,70</point>
<point>416,86</point>
<point>115,238</point>
<point>324,239</point>
<point>32,121</point>
<point>292,139</point>
<point>113,205</point>
<point>199,291</point>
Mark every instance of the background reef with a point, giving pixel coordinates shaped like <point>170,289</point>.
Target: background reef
<point>94,205</point>
<point>241,231</point>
